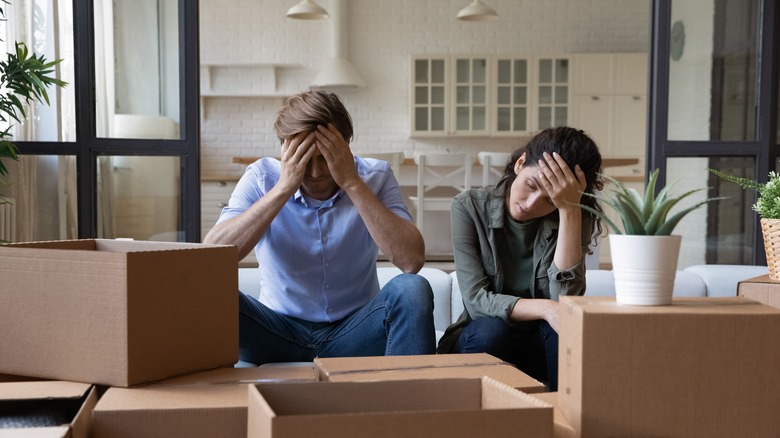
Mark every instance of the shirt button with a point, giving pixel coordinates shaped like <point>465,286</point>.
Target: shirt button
<point>327,286</point>
<point>325,239</point>
<point>327,265</point>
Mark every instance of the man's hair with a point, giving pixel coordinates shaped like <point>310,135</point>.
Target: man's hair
<point>306,110</point>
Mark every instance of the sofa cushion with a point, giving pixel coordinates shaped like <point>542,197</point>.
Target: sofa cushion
<point>457,298</point>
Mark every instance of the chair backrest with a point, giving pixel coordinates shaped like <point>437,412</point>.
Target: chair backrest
<point>394,158</point>
<point>440,176</point>
<point>493,165</point>
<point>440,169</point>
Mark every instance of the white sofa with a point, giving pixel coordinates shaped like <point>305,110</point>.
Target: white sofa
<point>694,281</point>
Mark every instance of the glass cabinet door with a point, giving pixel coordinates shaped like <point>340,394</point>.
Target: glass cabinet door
<point>429,97</point>
<point>511,96</point>
<point>553,92</point>
<point>471,95</point>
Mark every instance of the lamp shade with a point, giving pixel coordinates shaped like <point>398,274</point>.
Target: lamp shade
<point>307,10</point>
<point>477,11</point>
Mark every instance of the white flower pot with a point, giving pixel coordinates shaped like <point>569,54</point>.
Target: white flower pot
<point>644,268</point>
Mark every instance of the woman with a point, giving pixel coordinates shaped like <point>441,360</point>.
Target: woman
<point>520,245</point>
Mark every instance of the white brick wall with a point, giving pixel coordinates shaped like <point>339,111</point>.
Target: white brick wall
<point>382,34</point>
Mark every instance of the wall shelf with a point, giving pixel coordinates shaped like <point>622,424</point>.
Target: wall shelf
<point>246,80</point>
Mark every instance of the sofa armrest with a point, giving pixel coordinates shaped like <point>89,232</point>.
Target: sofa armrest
<point>721,280</point>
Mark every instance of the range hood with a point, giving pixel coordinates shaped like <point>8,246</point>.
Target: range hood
<point>337,71</point>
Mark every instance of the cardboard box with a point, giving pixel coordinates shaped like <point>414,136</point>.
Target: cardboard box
<point>117,312</point>
<point>762,289</point>
<point>699,367</point>
<point>562,427</point>
<point>204,404</point>
<point>429,408</point>
<point>46,409</point>
<point>378,368</point>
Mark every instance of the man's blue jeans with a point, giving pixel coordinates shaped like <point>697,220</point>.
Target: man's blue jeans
<point>398,321</point>
<point>536,353</point>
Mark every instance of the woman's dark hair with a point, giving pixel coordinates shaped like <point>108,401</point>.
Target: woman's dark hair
<point>308,109</point>
<point>576,148</point>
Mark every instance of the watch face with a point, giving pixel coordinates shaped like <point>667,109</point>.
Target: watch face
<point>677,41</point>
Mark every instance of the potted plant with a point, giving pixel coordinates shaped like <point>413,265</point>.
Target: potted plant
<point>644,251</point>
<point>768,208</point>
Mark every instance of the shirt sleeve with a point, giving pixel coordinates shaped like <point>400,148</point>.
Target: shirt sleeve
<point>249,189</point>
<point>391,196</point>
<point>468,237</point>
<point>571,281</point>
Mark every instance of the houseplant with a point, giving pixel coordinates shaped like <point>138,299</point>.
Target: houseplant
<point>644,251</point>
<point>768,208</point>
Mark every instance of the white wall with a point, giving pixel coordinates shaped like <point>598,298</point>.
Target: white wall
<point>382,35</point>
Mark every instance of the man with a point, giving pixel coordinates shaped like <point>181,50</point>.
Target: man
<point>316,219</point>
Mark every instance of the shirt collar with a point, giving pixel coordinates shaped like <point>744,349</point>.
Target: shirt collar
<point>299,197</point>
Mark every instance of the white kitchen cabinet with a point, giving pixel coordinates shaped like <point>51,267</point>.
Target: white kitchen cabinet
<point>553,92</point>
<point>512,90</point>
<point>430,100</point>
<point>487,95</point>
<point>610,104</point>
<point>470,98</point>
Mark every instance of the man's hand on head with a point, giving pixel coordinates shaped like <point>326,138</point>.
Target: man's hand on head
<point>296,153</point>
<point>337,154</point>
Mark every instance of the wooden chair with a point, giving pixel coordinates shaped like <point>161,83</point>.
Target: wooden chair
<point>493,166</point>
<point>440,176</point>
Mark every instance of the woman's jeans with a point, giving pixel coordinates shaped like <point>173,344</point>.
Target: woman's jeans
<point>536,354</point>
<point>398,321</point>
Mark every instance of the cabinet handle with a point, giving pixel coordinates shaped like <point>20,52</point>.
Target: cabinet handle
<point>222,204</point>
<point>637,98</point>
<point>594,97</point>
<point>221,183</point>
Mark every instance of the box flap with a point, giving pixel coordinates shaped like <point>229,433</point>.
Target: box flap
<point>339,365</point>
<point>507,374</point>
<point>680,306</point>
<point>170,397</point>
<point>37,432</point>
<point>42,390</point>
<point>232,376</point>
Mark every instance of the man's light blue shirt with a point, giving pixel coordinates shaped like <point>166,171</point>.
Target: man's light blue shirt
<point>317,260</point>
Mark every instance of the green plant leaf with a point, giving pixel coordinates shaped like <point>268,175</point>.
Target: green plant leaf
<point>669,225</point>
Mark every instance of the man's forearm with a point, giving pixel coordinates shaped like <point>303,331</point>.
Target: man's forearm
<point>398,239</point>
<point>246,229</point>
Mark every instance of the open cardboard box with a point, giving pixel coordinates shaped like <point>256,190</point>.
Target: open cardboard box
<point>429,408</point>
<point>49,409</point>
<point>204,404</point>
<point>698,367</point>
<point>377,368</point>
<point>117,312</point>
